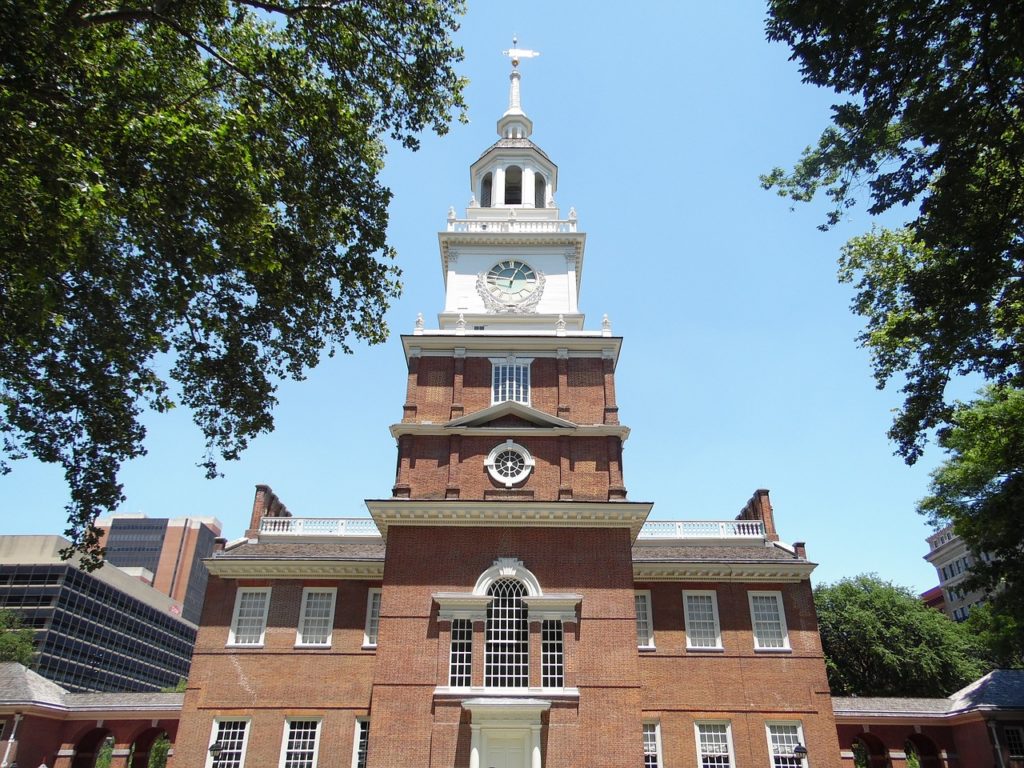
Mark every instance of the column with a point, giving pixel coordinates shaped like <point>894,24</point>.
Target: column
<point>611,410</point>
<point>528,201</point>
<point>454,461</point>
<point>498,188</point>
<point>474,746</point>
<point>409,408</point>
<point>570,264</point>
<point>535,746</point>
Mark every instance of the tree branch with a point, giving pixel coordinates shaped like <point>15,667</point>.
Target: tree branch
<point>292,10</point>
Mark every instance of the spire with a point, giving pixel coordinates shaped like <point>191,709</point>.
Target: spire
<point>514,124</point>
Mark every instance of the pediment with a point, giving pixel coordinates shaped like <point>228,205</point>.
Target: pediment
<point>502,415</point>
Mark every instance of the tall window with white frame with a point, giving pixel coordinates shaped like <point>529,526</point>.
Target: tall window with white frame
<point>233,736</point>
<point>768,621</point>
<point>507,656</point>
<point>783,739</point>
<point>301,740</point>
<point>510,380</point>
<point>317,617</point>
<point>460,664</point>
<point>700,612</point>
<point>372,618</point>
<point>714,745</point>
<point>652,745</point>
<point>249,621</point>
<point>644,619</point>
<point>552,670</point>
<point>361,742</point>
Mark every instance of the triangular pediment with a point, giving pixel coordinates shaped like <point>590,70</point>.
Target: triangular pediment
<point>498,416</point>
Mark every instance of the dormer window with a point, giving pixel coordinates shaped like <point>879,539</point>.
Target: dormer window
<point>510,380</point>
<point>513,185</point>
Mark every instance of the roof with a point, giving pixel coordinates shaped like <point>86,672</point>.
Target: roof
<point>305,550</point>
<point>20,686</point>
<point>999,689</point>
<point>516,144</point>
<point>701,552</point>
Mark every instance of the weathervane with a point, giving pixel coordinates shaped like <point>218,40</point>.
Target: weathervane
<point>519,53</point>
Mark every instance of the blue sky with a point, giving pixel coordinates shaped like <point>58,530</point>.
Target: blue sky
<point>739,368</point>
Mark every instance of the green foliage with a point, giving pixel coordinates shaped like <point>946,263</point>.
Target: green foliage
<point>881,640</point>
<point>980,489</point>
<point>191,211</point>
<point>935,123</point>
<point>106,753</point>
<point>180,687</point>
<point>17,642</point>
<point>159,751</point>
<point>999,634</point>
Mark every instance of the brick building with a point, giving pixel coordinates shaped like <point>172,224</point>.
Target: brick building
<point>507,605</point>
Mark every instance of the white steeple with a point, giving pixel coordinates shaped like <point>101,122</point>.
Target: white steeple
<point>514,124</point>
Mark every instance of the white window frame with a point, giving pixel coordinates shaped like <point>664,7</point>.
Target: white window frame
<point>656,725</point>
<point>287,732</point>
<point>799,737</point>
<point>728,740</point>
<point>514,363</point>
<point>300,639</point>
<point>242,591</point>
<point>215,736</point>
<point>690,645</point>
<point>372,618</point>
<point>784,629</point>
<point>645,596</point>
<point>360,723</point>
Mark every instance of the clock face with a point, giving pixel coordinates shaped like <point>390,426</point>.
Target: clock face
<point>511,281</point>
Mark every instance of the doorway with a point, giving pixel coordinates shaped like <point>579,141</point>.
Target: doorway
<point>505,749</point>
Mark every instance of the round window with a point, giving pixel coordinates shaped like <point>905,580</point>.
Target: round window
<point>509,463</point>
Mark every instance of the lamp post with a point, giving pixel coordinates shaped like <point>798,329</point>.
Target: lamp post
<point>215,749</point>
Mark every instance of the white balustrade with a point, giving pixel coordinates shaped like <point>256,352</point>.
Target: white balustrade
<point>510,225</point>
<point>318,526</point>
<point>702,529</point>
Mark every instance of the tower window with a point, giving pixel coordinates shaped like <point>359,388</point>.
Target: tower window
<point>507,660</point>
<point>540,198</point>
<point>510,380</point>
<point>461,660</point>
<point>513,185</point>
<point>551,662</point>
<point>485,191</point>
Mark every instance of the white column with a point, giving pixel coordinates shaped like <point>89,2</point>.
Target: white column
<point>570,266</point>
<point>535,746</point>
<point>528,201</point>
<point>498,188</point>
<point>474,746</point>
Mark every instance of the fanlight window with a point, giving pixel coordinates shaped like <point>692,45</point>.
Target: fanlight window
<point>507,659</point>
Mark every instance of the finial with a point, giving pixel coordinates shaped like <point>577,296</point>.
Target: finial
<point>606,326</point>
<point>419,324</point>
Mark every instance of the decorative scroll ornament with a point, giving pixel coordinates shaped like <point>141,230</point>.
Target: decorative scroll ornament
<point>495,305</point>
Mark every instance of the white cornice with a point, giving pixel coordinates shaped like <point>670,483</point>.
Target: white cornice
<point>235,568</point>
<point>595,430</point>
<point>510,407</point>
<point>576,240</point>
<point>766,571</point>
<point>514,513</point>
<point>485,344</point>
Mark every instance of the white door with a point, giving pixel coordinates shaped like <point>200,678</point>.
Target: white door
<point>505,751</point>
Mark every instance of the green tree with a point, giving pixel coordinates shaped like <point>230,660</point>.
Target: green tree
<point>980,489</point>
<point>881,640</point>
<point>999,634</point>
<point>159,751</point>
<point>191,211</point>
<point>17,642</point>
<point>933,123</point>
<point>106,753</point>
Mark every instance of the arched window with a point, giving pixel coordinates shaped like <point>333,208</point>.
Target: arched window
<point>485,191</point>
<point>540,198</point>
<point>513,185</point>
<point>507,658</point>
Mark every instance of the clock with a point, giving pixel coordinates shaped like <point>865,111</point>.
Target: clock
<point>511,281</point>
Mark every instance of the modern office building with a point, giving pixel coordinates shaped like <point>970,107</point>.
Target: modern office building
<point>507,605</point>
<point>99,631</point>
<point>171,552</point>
<point>952,560</point>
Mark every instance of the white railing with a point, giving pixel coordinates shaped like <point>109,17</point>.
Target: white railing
<point>511,225</point>
<point>318,526</point>
<point>703,529</point>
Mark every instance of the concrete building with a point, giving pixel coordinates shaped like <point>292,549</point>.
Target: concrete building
<point>166,553</point>
<point>507,605</point>
<point>952,560</point>
<point>99,631</point>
